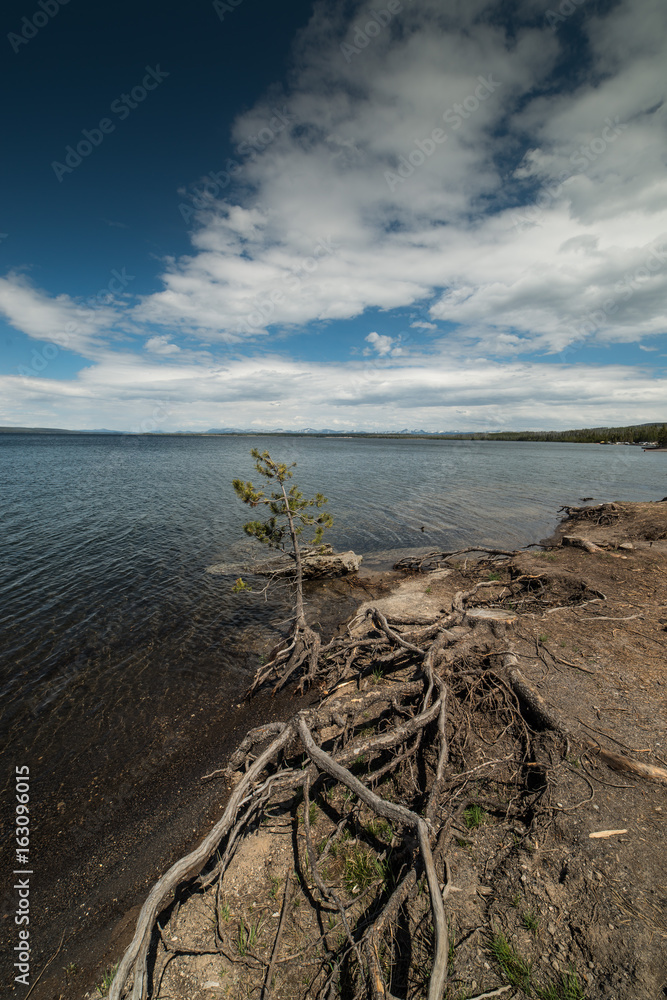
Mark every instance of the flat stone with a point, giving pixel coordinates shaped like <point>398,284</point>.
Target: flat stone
<point>409,600</point>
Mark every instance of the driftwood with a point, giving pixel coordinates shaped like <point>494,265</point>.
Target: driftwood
<point>581,543</point>
<point>434,560</point>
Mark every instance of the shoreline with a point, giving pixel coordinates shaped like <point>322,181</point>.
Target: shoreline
<point>557,864</point>
<point>114,928</point>
<point>96,876</point>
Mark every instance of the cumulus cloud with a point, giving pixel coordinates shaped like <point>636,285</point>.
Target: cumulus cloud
<point>443,100</point>
<point>60,320</point>
<point>161,345</point>
<point>382,345</point>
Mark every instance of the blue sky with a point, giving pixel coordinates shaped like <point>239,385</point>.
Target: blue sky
<point>353,216</point>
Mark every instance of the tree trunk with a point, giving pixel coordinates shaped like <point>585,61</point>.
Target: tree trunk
<point>300,615</point>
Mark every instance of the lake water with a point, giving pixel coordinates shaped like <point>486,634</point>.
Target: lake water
<point>114,637</point>
<point>103,590</point>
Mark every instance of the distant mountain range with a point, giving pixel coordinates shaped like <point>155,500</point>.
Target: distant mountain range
<point>634,434</point>
<point>227,430</point>
<point>53,430</point>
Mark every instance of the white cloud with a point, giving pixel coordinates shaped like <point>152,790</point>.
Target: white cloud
<point>322,236</point>
<point>383,345</point>
<point>61,320</point>
<point>539,223</point>
<point>131,392</point>
<point>161,345</point>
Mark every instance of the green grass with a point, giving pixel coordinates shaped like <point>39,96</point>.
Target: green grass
<point>543,637</point>
<point>567,987</point>
<point>361,870</point>
<point>275,885</point>
<point>247,936</point>
<point>107,979</point>
<point>474,816</point>
<point>515,968</point>
<point>494,576</point>
<point>530,921</point>
<point>381,829</point>
<point>225,912</point>
<point>518,972</point>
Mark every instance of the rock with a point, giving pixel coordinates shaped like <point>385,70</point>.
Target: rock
<point>318,564</point>
<point>411,600</point>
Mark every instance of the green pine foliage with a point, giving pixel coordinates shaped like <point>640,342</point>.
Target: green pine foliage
<point>290,512</point>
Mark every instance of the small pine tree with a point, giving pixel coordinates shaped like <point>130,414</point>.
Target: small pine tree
<point>290,512</point>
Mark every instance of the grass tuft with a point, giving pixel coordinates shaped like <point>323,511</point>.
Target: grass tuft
<point>247,936</point>
<point>515,968</point>
<point>107,979</point>
<point>530,921</point>
<point>361,870</point>
<point>567,987</point>
<point>474,816</point>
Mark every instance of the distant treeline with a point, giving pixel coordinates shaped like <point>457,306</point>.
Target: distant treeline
<point>586,435</point>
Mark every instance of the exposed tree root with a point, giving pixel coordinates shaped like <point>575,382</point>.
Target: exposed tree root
<point>441,696</point>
